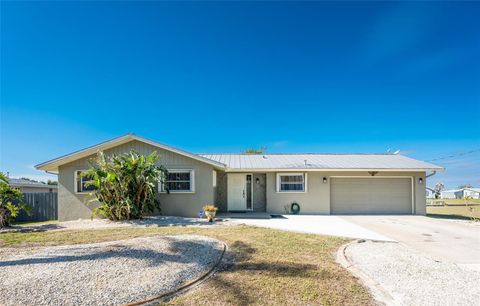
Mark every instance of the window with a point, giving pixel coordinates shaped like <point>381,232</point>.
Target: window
<point>179,181</point>
<point>291,182</point>
<point>80,182</point>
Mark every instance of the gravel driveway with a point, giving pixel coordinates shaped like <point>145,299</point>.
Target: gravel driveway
<point>108,273</point>
<point>413,278</point>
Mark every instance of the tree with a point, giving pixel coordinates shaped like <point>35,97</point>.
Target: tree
<point>125,185</point>
<point>31,180</point>
<point>260,150</point>
<point>465,186</point>
<point>439,187</point>
<point>11,202</point>
<point>50,182</point>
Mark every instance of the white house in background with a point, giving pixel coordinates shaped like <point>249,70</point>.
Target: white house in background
<point>471,192</point>
<point>430,192</point>
<point>461,193</point>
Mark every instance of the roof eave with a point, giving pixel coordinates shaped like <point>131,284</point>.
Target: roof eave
<point>52,165</point>
<point>332,169</point>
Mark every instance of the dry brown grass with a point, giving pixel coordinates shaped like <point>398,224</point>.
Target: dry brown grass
<point>270,267</point>
<point>456,211</point>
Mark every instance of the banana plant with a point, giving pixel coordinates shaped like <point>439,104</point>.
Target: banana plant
<point>125,185</point>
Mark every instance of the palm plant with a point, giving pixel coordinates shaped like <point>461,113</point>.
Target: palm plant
<point>11,202</point>
<point>125,185</point>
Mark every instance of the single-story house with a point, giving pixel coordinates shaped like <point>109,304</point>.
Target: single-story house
<point>319,183</point>
<point>26,186</point>
<point>450,194</point>
<point>430,193</point>
<point>461,193</point>
<point>471,192</point>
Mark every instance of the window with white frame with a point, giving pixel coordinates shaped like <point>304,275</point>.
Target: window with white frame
<point>291,182</point>
<point>179,181</point>
<point>81,185</point>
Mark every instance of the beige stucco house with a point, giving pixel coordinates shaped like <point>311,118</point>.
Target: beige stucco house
<point>319,183</point>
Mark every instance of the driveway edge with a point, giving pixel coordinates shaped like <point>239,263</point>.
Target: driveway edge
<point>380,295</point>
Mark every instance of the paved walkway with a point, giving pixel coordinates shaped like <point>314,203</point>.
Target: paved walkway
<point>323,225</point>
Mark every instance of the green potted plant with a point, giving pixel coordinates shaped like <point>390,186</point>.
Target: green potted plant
<point>210,211</point>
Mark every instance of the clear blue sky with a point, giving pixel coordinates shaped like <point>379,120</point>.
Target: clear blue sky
<point>222,77</point>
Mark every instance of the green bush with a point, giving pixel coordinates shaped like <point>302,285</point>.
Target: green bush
<point>11,202</point>
<point>125,185</point>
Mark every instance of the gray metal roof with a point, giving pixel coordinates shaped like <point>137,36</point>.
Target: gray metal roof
<point>24,183</point>
<point>52,165</point>
<point>320,161</point>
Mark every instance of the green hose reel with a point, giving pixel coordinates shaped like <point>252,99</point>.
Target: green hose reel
<point>295,208</point>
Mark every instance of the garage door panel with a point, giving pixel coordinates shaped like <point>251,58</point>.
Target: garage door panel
<point>371,196</point>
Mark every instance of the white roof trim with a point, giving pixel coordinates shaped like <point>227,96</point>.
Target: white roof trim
<point>52,165</point>
<point>330,169</point>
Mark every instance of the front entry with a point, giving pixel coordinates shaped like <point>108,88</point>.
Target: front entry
<point>240,192</point>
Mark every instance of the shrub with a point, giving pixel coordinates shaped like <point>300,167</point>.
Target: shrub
<point>11,202</point>
<point>125,185</point>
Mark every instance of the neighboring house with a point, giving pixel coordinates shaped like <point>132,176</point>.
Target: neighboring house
<point>450,194</point>
<point>461,193</point>
<point>319,183</point>
<point>26,186</point>
<point>471,192</point>
<point>430,192</point>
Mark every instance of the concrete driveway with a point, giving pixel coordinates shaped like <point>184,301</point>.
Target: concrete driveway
<point>322,225</point>
<point>451,240</point>
<point>455,241</point>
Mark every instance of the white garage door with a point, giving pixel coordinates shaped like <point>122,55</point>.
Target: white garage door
<point>371,195</point>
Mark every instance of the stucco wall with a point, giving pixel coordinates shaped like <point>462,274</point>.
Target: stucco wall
<point>317,198</point>
<point>73,206</point>
<point>315,201</point>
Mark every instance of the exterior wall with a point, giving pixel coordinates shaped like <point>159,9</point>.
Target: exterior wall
<point>473,194</point>
<point>317,198</point>
<point>73,205</point>
<point>259,192</point>
<point>37,189</point>
<point>459,194</point>
<point>448,195</point>
<point>315,201</point>
<point>221,191</point>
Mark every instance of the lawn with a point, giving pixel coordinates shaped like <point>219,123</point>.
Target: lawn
<point>455,211</point>
<point>456,201</point>
<point>271,267</point>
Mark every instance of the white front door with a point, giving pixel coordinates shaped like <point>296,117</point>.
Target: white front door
<point>237,199</point>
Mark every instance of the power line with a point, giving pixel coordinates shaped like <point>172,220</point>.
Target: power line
<point>455,155</point>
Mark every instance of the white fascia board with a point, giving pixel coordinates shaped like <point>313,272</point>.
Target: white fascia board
<point>333,169</point>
